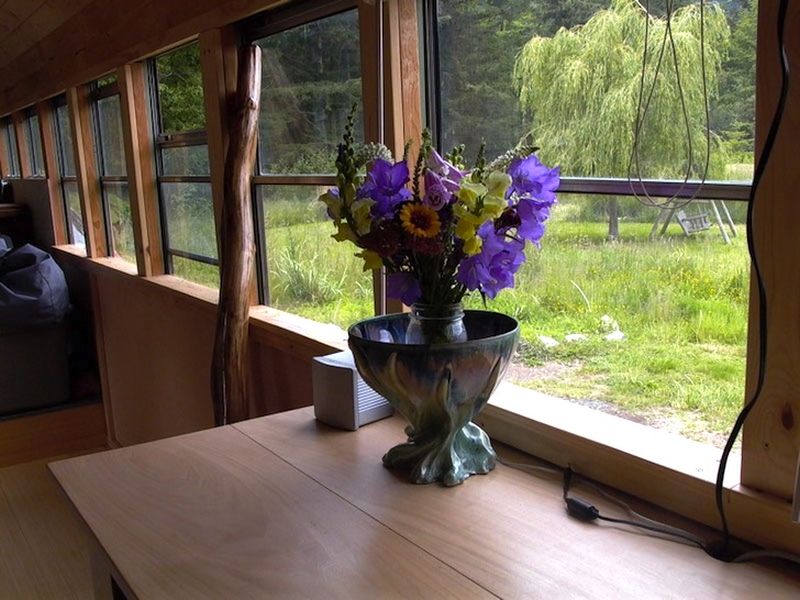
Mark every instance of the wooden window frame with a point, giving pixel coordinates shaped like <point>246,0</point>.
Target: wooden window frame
<point>12,169</point>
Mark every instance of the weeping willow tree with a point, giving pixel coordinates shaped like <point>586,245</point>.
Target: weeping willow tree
<point>581,90</point>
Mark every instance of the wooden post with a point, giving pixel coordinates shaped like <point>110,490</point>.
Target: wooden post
<point>86,170</point>
<point>138,139</point>
<point>237,246</point>
<point>47,130</point>
<point>23,152</point>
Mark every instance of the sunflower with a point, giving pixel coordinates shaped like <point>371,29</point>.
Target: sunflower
<point>420,220</point>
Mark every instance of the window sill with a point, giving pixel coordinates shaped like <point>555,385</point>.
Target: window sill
<point>662,468</point>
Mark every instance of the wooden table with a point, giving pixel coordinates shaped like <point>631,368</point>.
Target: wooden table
<point>283,507</point>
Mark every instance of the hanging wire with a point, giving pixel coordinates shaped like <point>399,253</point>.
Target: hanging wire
<point>639,188</point>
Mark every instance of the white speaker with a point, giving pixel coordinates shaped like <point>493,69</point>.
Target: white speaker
<point>341,397</point>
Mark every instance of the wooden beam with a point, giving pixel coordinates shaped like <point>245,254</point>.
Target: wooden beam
<point>237,247</point>
<point>25,167</point>
<point>771,439</point>
<point>47,116</point>
<point>140,161</point>
<point>86,171</point>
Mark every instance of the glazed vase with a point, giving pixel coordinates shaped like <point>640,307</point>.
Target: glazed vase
<point>438,377</point>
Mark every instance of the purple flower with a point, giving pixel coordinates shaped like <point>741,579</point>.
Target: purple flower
<point>385,185</point>
<point>449,175</point>
<point>437,196</point>
<point>494,267</point>
<point>532,179</point>
<point>403,286</point>
<point>532,214</point>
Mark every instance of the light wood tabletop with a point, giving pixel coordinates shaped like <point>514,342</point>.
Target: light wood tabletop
<point>284,507</point>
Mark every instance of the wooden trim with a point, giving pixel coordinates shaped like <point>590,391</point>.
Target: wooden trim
<point>140,160</point>
<point>47,130</point>
<point>86,170</point>
<point>102,363</point>
<point>771,437</point>
<point>23,152</point>
<point>294,180</point>
<point>51,433</point>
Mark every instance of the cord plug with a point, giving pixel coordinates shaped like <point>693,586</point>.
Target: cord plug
<point>581,509</point>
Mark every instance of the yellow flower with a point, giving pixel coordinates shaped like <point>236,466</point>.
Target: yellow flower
<point>470,192</point>
<point>372,260</point>
<point>473,245</point>
<point>360,211</point>
<point>465,227</point>
<point>345,233</point>
<point>334,204</point>
<point>420,220</point>
<point>498,183</point>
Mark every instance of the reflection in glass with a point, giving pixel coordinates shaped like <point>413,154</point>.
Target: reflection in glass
<point>119,216</point>
<point>74,212</point>
<point>309,273</point>
<point>111,144</point>
<point>185,160</point>
<point>180,90</point>
<point>189,216</point>
<point>65,141</point>
<point>311,77</point>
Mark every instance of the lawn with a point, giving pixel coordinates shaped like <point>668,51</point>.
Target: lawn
<point>680,301</point>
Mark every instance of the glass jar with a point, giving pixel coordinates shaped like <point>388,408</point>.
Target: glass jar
<point>436,324</point>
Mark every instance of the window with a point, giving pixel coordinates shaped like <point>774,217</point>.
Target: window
<point>12,154</point>
<point>66,169</point>
<point>33,141</point>
<point>187,209</point>
<point>110,152</point>
<point>311,76</point>
<point>635,308</point>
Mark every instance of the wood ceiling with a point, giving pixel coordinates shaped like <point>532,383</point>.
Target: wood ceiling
<point>47,46</point>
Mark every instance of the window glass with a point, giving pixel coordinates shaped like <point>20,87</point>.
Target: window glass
<point>74,212</point>
<point>309,273</point>
<point>185,160</point>
<point>550,69</point>
<point>13,154</point>
<point>120,220</point>
<point>311,76</point>
<point>66,151</point>
<point>196,271</point>
<point>112,148</point>
<point>34,142</point>
<point>189,213</point>
<point>649,329</point>
<point>180,90</point>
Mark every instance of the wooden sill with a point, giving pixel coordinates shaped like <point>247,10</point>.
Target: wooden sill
<point>662,468</point>
<point>659,467</point>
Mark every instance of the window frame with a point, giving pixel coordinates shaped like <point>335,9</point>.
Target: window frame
<point>13,166</point>
<point>180,139</point>
<point>33,138</point>
<point>263,25</point>
<point>60,146</point>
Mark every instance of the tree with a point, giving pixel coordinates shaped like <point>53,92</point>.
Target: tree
<point>580,87</point>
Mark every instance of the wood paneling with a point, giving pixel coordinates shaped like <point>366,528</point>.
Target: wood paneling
<point>52,433</point>
<point>47,116</point>
<point>86,171</point>
<point>771,442</point>
<point>105,34</point>
<point>142,187</point>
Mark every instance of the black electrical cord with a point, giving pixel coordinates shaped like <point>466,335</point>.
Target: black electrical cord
<point>723,550</point>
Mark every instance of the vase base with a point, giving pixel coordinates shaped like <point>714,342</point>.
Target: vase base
<point>449,460</point>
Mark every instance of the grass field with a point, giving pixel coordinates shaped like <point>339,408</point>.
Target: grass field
<point>680,301</point>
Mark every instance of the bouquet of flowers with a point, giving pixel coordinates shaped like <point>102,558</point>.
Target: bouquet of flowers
<point>453,230</point>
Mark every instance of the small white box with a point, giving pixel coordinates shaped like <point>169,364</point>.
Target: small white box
<point>341,397</point>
